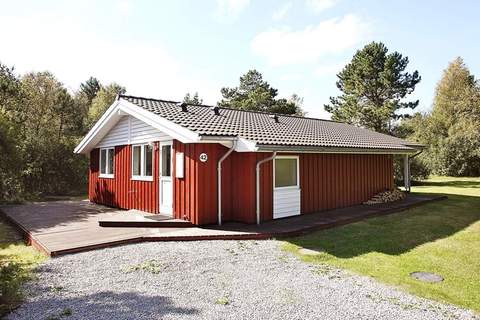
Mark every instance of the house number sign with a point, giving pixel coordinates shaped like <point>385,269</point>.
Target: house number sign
<point>203,157</point>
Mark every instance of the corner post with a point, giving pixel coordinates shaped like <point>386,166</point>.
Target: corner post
<point>406,172</point>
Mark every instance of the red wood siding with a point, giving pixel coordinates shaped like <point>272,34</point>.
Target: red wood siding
<point>243,182</point>
<point>122,191</point>
<point>330,181</point>
<point>327,181</point>
<point>195,195</point>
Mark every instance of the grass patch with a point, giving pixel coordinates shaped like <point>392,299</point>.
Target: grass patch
<point>223,301</point>
<point>17,262</point>
<point>441,237</point>
<point>149,266</point>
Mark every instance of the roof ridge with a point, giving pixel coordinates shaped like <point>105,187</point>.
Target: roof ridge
<point>145,98</point>
<point>233,109</point>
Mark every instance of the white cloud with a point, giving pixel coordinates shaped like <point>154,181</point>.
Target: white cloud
<point>284,46</point>
<point>73,54</point>
<point>281,12</point>
<point>124,8</point>
<point>320,5</point>
<point>228,10</point>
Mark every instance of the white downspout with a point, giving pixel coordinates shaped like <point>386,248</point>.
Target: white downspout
<point>219,181</point>
<point>257,185</point>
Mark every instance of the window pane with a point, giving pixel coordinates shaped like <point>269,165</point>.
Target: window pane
<point>148,160</point>
<point>136,161</point>
<point>111,153</point>
<point>166,161</point>
<point>103,161</point>
<point>285,172</point>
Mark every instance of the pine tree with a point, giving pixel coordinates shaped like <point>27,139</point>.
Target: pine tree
<point>256,94</point>
<point>373,86</point>
<point>90,88</point>
<point>193,99</point>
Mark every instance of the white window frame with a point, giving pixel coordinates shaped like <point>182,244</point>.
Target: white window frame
<point>160,165</point>
<point>142,176</point>
<point>297,186</point>
<point>106,175</point>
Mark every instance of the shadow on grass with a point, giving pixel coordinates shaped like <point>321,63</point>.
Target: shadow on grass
<point>397,233</point>
<point>451,183</point>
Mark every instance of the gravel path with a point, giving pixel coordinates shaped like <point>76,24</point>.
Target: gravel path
<point>212,280</point>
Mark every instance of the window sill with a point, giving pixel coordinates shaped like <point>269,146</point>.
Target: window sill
<point>142,178</point>
<point>106,176</point>
<point>287,188</point>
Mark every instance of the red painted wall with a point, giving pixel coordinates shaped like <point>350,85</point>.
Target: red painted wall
<point>121,191</point>
<point>243,184</point>
<point>330,181</point>
<point>195,195</point>
<point>327,181</point>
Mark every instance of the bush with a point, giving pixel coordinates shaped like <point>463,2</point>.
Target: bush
<point>419,170</point>
<point>11,278</point>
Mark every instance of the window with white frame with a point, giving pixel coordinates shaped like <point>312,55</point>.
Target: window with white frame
<point>286,172</point>
<point>142,162</point>
<point>107,162</point>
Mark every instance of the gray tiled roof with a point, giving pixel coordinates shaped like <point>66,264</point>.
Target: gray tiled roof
<point>259,127</point>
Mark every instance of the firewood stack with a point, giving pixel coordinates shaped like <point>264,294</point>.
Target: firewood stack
<point>386,196</point>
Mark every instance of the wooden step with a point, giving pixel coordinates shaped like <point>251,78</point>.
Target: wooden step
<point>171,223</point>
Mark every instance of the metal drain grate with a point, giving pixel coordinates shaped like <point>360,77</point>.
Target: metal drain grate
<point>426,276</point>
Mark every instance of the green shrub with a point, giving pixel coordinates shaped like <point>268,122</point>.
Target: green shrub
<point>419,170</point>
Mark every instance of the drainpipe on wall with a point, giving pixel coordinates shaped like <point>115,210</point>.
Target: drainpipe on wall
<point>219,181</point>
<point>257,185</point>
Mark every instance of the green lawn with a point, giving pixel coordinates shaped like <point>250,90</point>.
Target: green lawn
<point>16,264</point>
<point>441,237</point>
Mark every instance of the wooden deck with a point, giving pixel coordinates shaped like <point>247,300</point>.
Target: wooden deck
<point>63,227</point>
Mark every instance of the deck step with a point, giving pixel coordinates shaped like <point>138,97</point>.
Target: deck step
<point>173,223</point>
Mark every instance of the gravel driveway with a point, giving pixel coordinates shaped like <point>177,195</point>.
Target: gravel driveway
<point>212,280</point>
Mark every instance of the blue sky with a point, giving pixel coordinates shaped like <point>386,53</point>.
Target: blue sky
<point>164,49</point>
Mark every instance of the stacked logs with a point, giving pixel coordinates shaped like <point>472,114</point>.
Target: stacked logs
<point>386,196</point>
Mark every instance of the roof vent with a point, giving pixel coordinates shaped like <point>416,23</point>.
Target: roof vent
<point>216,110</point>
<point>274,117</point>
<point>183,106</point>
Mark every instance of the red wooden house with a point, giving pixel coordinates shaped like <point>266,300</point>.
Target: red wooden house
<point>209,165</point>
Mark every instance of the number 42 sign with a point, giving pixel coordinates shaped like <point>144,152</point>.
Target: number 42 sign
<point>203,157</point>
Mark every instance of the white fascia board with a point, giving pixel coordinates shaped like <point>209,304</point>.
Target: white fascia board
<point>336,150</point>
<point>111,111</point>
<point>244,145</point>
<point>121,107</point>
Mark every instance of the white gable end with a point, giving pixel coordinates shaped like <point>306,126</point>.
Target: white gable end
<point>130,130</point>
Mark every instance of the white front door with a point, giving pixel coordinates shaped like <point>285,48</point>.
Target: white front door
<point>166,184</point>
<point>286,187</point>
